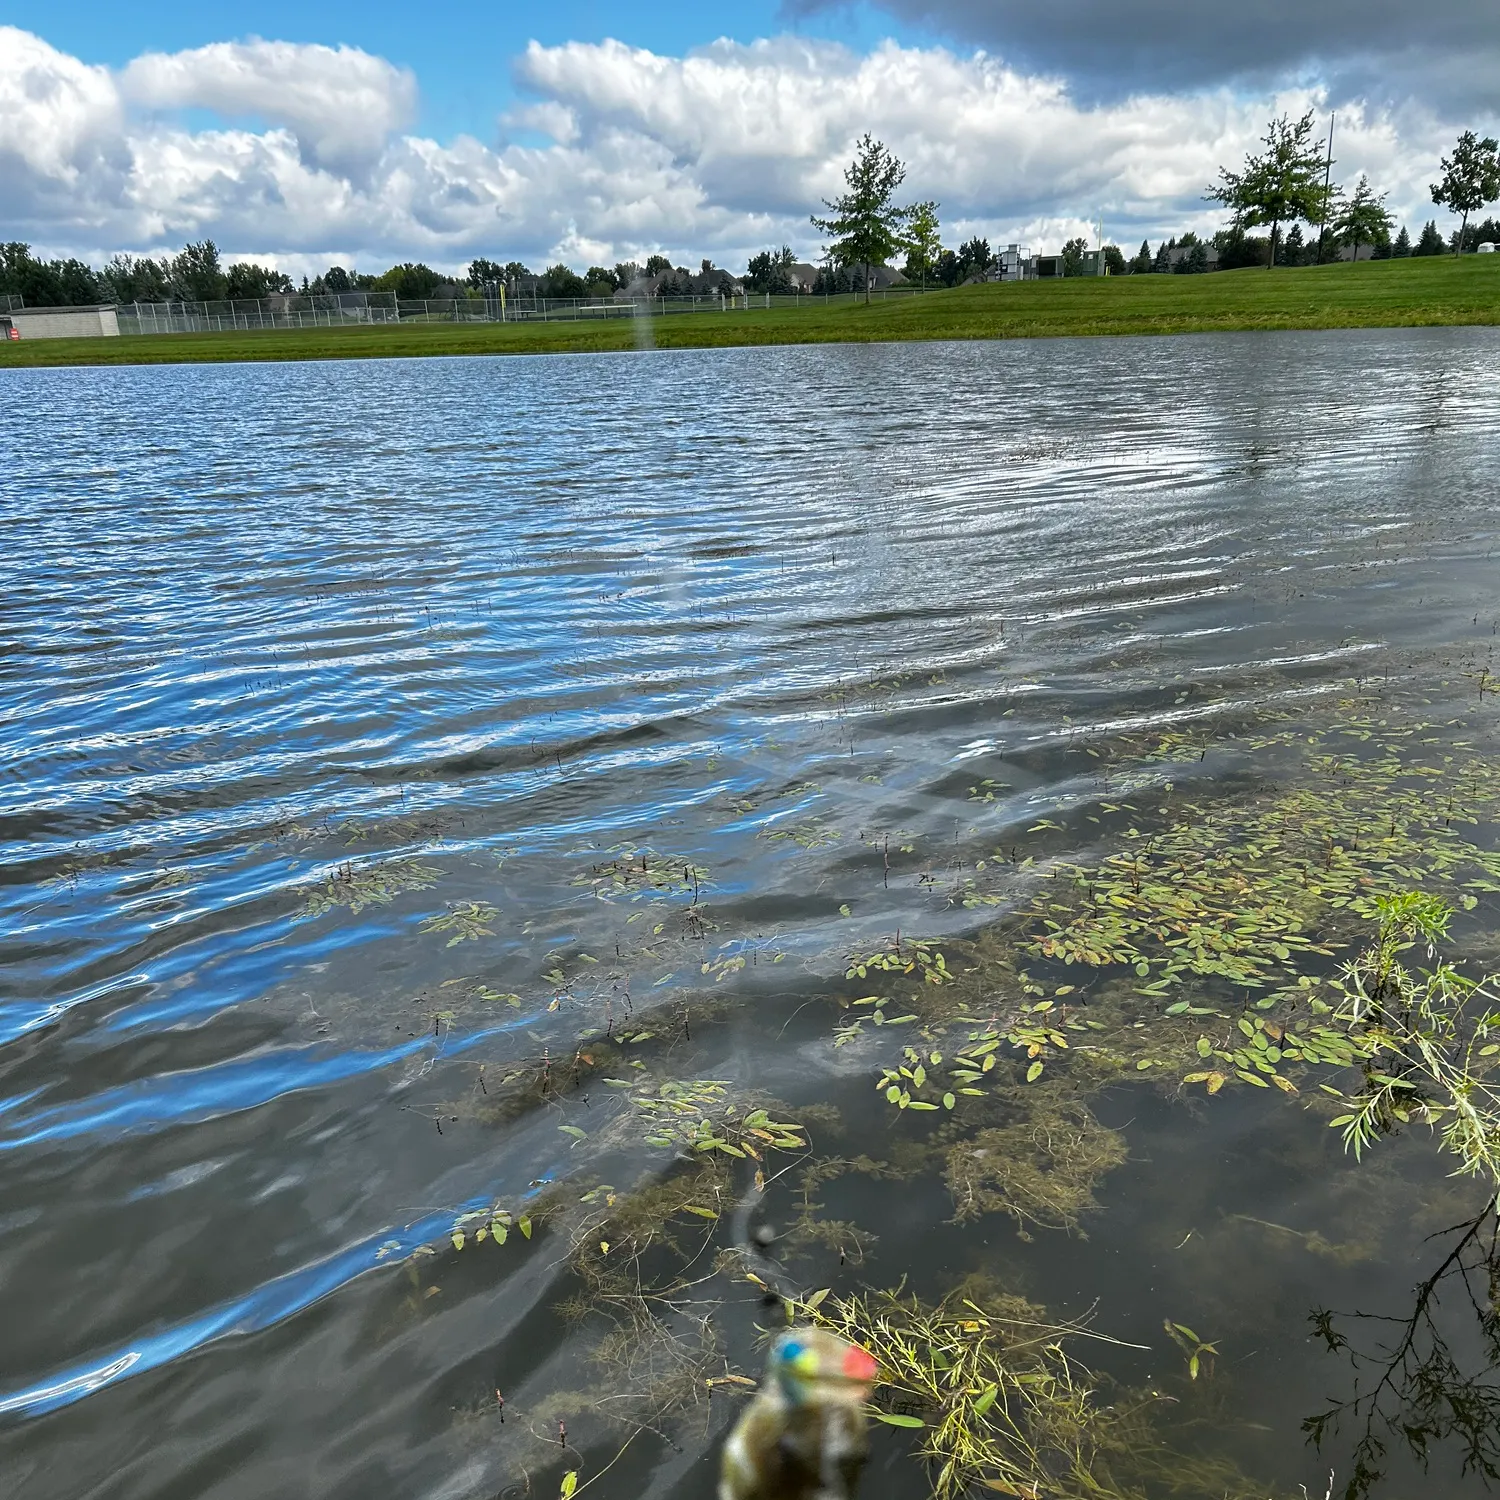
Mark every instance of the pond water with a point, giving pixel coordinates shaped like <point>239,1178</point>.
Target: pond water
<point>410,769</point>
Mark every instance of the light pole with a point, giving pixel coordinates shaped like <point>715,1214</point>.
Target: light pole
<point>1327,178</point>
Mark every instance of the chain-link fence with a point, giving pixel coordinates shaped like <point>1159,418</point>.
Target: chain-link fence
<point>350,309</point>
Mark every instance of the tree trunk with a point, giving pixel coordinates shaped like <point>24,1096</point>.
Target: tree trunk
<point>1271,261</point>
<point>867,283</point>
<point>1463,229</point>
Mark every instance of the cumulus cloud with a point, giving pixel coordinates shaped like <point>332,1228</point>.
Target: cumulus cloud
<point>1384,49</point>
<point>342,105</point>
<point>720,152</point>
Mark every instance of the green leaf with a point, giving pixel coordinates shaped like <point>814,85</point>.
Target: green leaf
<point>895,1419</point>
<point>458,1239</point>
<point>1177,1009</point>
<point>524,1225</point>
<point>569,1484</point>
<point>1033,1072</point>
<point>949,1101</point>
<point>986,1400</point>
<point>573,1130</point>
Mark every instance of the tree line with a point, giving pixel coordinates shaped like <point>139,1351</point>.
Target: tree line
<point>197,274</point>
<point>1282,187</point>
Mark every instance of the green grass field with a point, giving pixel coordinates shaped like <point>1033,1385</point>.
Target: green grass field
<point>1371,294</point>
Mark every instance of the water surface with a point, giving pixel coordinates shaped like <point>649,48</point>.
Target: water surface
<point>295,659</point>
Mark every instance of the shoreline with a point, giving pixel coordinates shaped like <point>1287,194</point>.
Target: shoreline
<point>1426,292</point>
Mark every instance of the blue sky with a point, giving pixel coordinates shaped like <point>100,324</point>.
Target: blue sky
<point>305,135</point>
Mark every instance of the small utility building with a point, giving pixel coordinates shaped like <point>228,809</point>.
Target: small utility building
<point>60,323</point>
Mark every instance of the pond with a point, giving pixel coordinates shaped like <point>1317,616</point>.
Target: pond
<point>460,819</point>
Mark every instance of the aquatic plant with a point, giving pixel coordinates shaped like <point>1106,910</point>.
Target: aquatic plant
<point>1251,892</point>
<point>467,921</point>
<point>1425,1040</point>
<point>988,1382</point>
<point>1041,1168</point>
<point>359,886</point>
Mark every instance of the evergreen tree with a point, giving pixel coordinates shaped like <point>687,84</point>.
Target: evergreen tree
<point>974,259</point>
<point>1141,265</point>
<point>1293,251</point>
<point>1431,242</point>
<point>1402,247</point>
<point>1163,261</point>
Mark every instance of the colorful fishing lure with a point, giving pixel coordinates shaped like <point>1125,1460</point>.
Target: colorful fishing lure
<point>804,1436</point>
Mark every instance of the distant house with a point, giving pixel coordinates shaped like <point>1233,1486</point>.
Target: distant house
<point>711,281</point>
<point>1181,252</point>
<point>802,276</point>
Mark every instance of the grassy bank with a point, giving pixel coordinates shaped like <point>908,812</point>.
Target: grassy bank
<point>1373,294</point>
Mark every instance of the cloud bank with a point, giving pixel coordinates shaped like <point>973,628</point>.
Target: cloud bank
<point>1383,50</point>
<point>622,151</point>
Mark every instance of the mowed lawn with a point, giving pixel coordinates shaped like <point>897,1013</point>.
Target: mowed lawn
<point>1370,294</point>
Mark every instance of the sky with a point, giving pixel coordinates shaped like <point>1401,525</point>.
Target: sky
<point>330,132</point>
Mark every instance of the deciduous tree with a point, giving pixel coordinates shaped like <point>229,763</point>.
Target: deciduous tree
<point>1471,178</point>
<point>1280,185</point>
<point>771,272</point>
<point>196,273</point>
<point>865,223</point>
<point>923,246</point>
<point>1363,219</point>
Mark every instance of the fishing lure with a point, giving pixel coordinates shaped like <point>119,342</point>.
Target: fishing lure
<point>805,1435</point>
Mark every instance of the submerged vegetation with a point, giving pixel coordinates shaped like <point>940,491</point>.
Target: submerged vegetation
<point>1260,939</point>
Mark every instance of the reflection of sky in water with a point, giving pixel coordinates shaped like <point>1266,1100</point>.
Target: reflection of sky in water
<point>498,617</point>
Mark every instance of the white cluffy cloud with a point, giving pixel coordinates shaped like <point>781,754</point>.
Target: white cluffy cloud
<point>341,104</point>
<point>720,152</point>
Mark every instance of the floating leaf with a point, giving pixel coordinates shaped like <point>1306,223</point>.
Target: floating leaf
<point>1033,1072</point>
<point>896,1419</point>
